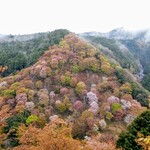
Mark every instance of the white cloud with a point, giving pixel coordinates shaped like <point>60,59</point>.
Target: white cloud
<point>29,16</point>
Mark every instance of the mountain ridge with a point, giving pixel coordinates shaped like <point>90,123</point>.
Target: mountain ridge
<point>72,81</point>
<point>122,34</point>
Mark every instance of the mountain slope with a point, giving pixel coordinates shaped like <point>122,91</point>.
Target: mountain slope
<point>18,52</point>
<point>114,50</point>
<point>130,49</point>
<point>73,81</point>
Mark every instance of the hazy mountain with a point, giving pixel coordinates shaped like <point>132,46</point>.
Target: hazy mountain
<point>25,37</point>
<point>130,48</point>
<point>2,36</point>
<point>121,33</point>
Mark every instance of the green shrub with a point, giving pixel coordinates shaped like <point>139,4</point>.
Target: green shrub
<point>95,68</point>
<point>31,119</point>
<point>115,107</point>
<point>64,106</point>
<point>109,115</point>
<point>145,81</point>
<point>80,87</point>
<point>8,93</point>
<point>141,96</point>
<point>119,72</point>
<point>65,80</point>
<point>61,107</point>
<point>75,69</point>
<point>15,85</point>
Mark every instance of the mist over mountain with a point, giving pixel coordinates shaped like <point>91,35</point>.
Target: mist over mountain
<point>24,37</point>
<point>118,33</point>
<point>1,35</point>
<point>122,34</point>
<point>130,48</point>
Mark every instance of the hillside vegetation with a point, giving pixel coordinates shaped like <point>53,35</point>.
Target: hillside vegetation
<point>131,50</point>
<point>72,98</point>
<point>112,50</point>
<point>141,51</point>
<point>18,52</point>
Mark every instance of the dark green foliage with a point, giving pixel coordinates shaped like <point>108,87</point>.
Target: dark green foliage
<point>133,46</point>
<point>19,54</point>
<point>15,120</point>
<point>12,125</point>
<point>140,51</point>
<point>134,85</point>
<point>138,93</point>
<point>140,125</point>
<point>120,75</point>
<point>141,96</point>
<point>146,81</point>
<point>137,50</point>
<point>147,68</point>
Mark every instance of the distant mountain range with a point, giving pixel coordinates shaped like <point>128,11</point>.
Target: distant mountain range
<point>121,33</point>
<point>1,35</point>
<point>25,37</point>
<point>118,33</point>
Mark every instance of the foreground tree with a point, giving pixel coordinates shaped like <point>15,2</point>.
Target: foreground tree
<point>54,136</point>
<point>141,125</point>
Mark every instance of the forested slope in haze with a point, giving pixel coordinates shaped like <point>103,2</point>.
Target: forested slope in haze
<point>18,52</point>
<point>130,49</point>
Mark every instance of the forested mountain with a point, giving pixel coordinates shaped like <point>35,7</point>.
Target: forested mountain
<point>116,52</point>
<point>74,97</point>
<point>20,51</point>
<point>130,49</point>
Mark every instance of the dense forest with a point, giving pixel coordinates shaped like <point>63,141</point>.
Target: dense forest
<point>60,92</point>
<point>141,51</point>
<point>18,52</point>
<point>125,58</point>
<point>73,97</point>
<point>132,54</point>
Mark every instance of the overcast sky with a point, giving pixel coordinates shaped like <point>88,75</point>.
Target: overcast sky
<point>30,16</point>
